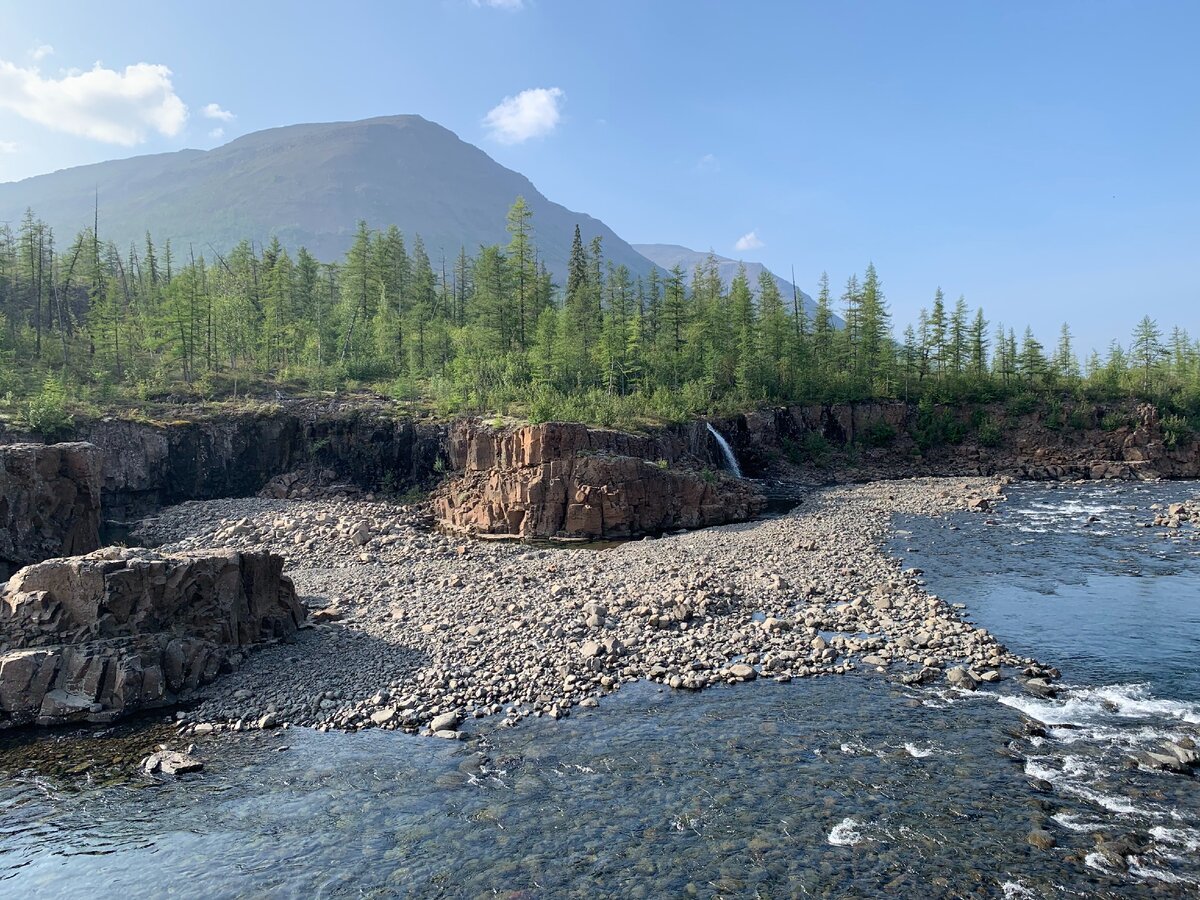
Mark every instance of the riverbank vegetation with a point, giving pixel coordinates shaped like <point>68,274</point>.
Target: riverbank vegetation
<point>489,330</point>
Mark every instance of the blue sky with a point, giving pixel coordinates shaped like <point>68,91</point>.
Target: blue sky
<point>1039,157</point>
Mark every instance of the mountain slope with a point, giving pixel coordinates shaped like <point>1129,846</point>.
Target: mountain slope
<point>668,256</point>
<point>309,185</point>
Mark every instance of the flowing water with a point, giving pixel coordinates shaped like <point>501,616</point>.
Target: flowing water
<point>831,787</point>
<point>731,463</point>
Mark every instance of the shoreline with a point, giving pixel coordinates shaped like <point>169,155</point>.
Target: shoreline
<point>417,630</point>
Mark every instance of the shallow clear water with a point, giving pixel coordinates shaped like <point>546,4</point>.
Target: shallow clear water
<point>833,787</point>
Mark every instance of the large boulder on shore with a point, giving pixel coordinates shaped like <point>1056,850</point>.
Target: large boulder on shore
<point>49,502</point>
<point>90,638</point>
<point>550,481</point>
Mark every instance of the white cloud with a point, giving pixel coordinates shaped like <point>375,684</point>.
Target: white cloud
<point>8,146</point>
<point>749,241</point>
<point>510,5</point>
<point>40,52</point>
<point>217,133</point>
<point>707,163</point>
<point>214,111</point>
<point>103,104</point>
<point>532,113</point>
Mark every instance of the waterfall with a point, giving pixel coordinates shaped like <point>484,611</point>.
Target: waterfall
<point>731,462</point>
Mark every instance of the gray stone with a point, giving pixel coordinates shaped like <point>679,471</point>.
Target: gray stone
<point>444,722</point>
<point>171,762</point>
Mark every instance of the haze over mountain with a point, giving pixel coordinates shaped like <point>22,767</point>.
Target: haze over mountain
<point>668,256</point>
<point>310,185</point>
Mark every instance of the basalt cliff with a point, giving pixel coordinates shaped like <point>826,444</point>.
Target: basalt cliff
<point>553,479</point>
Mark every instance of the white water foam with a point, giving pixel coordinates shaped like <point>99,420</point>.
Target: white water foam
<point>857,748</point>
<point>1141,870</point>
<point>919,752</point>
<point>1186,838</point>
<point>845,833</point>
<point>1035,768</point>
<point>1088,706</point>
<point>1014,890</point>
<point>1076,823</point>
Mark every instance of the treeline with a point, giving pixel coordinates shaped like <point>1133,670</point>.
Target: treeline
<point>491,331</point>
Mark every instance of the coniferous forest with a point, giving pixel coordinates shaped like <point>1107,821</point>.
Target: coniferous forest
<point>488,330</point>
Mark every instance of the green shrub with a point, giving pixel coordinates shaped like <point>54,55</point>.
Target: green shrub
<point>936,426</point>
<point>1053,417</point>
<point>991,434</point>
<point>1114,420</point>
<point>46,411</point>
<point>1021,404</point>
<point>1176,431</point>
<point>1080,419</point>
<point>812,448</point>
<point>880,434</point>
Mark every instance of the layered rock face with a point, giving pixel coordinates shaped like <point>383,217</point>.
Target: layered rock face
<point>89,638</point>
<point>568,481</point>
<point>146,466</point>
<point>1081,441</point>
<point>49,502</point>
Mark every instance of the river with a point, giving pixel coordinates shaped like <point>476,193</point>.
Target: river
<point>831,787</point>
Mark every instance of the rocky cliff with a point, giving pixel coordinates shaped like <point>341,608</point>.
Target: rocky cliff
<point>559,480</point>
<point>867,441</point>
<point>208,455</point>
<point>49,502</point>
<point>90,638</point>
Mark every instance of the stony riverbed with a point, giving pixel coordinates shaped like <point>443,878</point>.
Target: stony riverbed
<point>420,631</point>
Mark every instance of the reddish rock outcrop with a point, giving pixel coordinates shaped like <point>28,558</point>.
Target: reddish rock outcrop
<point>558,480</point>
<point>90,638</point>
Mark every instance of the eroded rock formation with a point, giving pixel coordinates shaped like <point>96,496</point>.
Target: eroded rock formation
<point>880,440</point>
<point>570,481</point>
<point>205,454</point>
<point>49,502</point>
<point>89,638</point>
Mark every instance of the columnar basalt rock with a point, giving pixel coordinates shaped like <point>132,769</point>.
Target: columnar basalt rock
<point>49,501</point>
<point>90,638</point>
<point>569,481</point>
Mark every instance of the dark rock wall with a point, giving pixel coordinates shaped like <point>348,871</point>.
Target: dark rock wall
<point>146,466</point>
<point>50,497</point>
<point>876,440</point>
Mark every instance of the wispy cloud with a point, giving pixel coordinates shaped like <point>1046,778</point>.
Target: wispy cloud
<point>216,134</point>
<point>749,241</point>
<point>707,163</point>
<point>102,104</point>
<point>214,111</point>
<point>40,52</point>
<point>510,5</point>
<point>532,113</point>
<point>8,147</point>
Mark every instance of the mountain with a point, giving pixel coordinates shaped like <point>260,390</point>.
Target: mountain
<point>668,256</point>
<point>310,185</point>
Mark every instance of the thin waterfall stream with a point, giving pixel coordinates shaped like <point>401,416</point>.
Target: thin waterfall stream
<point>731,462</point>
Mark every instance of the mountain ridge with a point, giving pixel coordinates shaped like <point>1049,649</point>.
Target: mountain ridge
<point>309,184</point>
